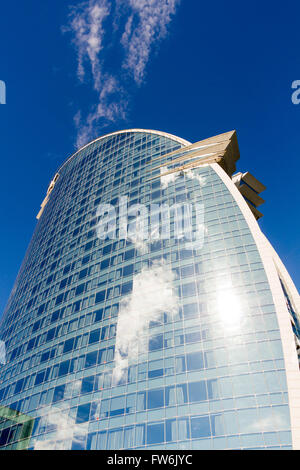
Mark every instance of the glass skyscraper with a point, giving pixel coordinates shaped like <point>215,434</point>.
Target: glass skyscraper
<point>150,312</point>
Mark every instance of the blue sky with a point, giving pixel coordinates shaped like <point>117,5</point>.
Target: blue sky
<point>76,70</point>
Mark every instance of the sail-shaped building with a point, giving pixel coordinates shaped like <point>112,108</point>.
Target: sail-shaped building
<point>150,311</point>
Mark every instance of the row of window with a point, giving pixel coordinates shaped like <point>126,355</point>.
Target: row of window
<point>182,429</point>
<point>121,272</point>
<point>181,363</point>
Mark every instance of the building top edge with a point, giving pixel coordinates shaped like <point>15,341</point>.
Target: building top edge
<point>149,131</point>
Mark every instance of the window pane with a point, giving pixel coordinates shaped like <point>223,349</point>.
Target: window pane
<point>200,427</point>
<point>155,433</point>
<point>197,391</point>
<point>155,398</point>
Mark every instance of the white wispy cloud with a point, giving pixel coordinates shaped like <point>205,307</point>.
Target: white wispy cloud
<point>86,24</point>
<point>146,25</point>
<point>62,428</point>
<point>96,31</point>
<point>111,106</point>
<point>152,295</point>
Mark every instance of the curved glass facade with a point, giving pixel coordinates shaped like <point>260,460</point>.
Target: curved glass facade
<point>126,343</point>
